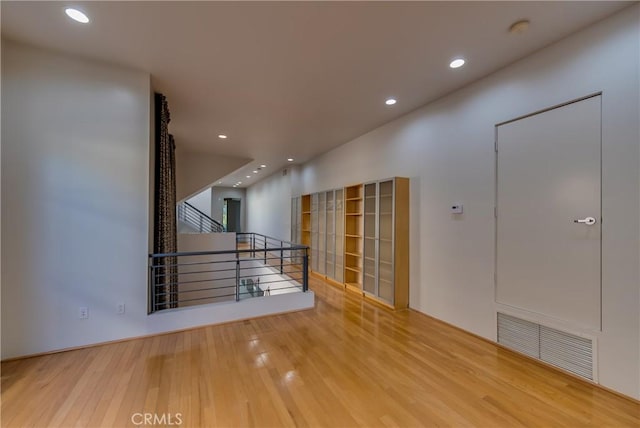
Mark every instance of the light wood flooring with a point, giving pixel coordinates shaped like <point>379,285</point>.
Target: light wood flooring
<point>344,363</point>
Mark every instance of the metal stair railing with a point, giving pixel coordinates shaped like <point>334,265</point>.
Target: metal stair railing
<point>259,266</point>
<point>195,218</point>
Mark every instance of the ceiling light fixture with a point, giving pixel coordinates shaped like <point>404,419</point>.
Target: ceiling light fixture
<point>76,15</point>
<point>457,63</point>
<point>390,101</point>
<point>255,171</point>
<point>222,137</point>
<point>263,166</point>
<point>290,160</point>
<point>248,176</point>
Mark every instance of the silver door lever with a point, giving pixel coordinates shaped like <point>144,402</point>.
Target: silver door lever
<point>588,221</point>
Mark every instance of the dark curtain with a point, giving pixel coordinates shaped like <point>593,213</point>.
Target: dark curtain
<point>165,235</point>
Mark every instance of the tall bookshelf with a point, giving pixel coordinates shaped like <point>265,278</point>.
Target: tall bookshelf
<point>305,213</point>
<point>386,242</point>
<point>353,230</point>
<point>339,236</point>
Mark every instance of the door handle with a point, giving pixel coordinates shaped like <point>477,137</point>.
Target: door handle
<point>589,221</point>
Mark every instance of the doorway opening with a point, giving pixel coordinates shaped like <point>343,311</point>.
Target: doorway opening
<point>231,215</point>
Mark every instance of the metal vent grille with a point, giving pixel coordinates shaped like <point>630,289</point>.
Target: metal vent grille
<point>519,335</point>
<point>561,349</point>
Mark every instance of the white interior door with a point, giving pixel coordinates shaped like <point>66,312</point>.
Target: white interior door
<point>548,213</point>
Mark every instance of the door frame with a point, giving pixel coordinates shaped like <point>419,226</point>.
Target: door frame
<point>495,196</point>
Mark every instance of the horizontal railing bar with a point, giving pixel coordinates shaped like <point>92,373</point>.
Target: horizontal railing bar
<point>205,253</point>
<point>162,275</point>
<point>208,262</point>
<point>193,291</point>
<point>242,261</point>
<point>223,295</point>
<point>243,266</point>
<point>175,293</point>
<point>207,289</point>
<point>205,298</point>
<point>289,277</point>
<point>212,297</point>
<point>265,236</point>
<point>167,284</point>
<point>216,288</point>
<point>278,282</point>
<point>270,274</point>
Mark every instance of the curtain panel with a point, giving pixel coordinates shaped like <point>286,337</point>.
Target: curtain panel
<point>165,229</point>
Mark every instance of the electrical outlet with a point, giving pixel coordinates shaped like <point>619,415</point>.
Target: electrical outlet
<point>120,308</point>
<point>83,313</point>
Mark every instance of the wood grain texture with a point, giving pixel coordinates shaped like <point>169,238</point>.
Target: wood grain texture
<point>401,243</point>
<point>344,363</point>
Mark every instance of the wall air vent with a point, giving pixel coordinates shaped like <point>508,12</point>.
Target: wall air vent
<point>564,350</point>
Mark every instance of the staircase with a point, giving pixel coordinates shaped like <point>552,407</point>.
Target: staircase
<point>193,220</point>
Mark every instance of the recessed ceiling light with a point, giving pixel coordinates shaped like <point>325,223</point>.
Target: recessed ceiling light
<point>248,176</point>
<point>457,63</point>
<point>390,101</point>
<point>290,160</point>
<point>239,182</point>
<point>263,166</point>
<point>255,171</point>
<point>222,137</point>
<point>76,15</point>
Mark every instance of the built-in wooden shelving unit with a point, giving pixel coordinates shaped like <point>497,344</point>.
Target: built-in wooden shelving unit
<point>305,202</point>
<point>353,238</point>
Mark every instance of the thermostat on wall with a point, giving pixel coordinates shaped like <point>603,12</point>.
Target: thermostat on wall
<point>456,209</point>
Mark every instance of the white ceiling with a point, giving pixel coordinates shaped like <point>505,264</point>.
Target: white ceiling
<point>295,79</point>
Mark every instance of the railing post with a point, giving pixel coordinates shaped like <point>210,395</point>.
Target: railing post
<point>305,271</point>
<point>281,256</point>
<point>237,277</point>
<point>265,250</point>
<point>253,245</point>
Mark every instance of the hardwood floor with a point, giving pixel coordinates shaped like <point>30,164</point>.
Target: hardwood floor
<point>344,363</point>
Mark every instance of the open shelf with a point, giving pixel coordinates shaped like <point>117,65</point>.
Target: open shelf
<point>353,228</point>
<point>305,203</point>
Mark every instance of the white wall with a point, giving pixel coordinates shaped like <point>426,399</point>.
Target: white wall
<point>447,149</point>
<point>196,171</point>
<point>269,206</point>
<point>75,174</point>
<point>202,201</point>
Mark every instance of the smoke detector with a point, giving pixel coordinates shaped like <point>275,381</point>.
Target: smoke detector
<point>519,27</point>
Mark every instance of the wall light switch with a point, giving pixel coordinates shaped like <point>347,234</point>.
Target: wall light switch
<point>456,209</point>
